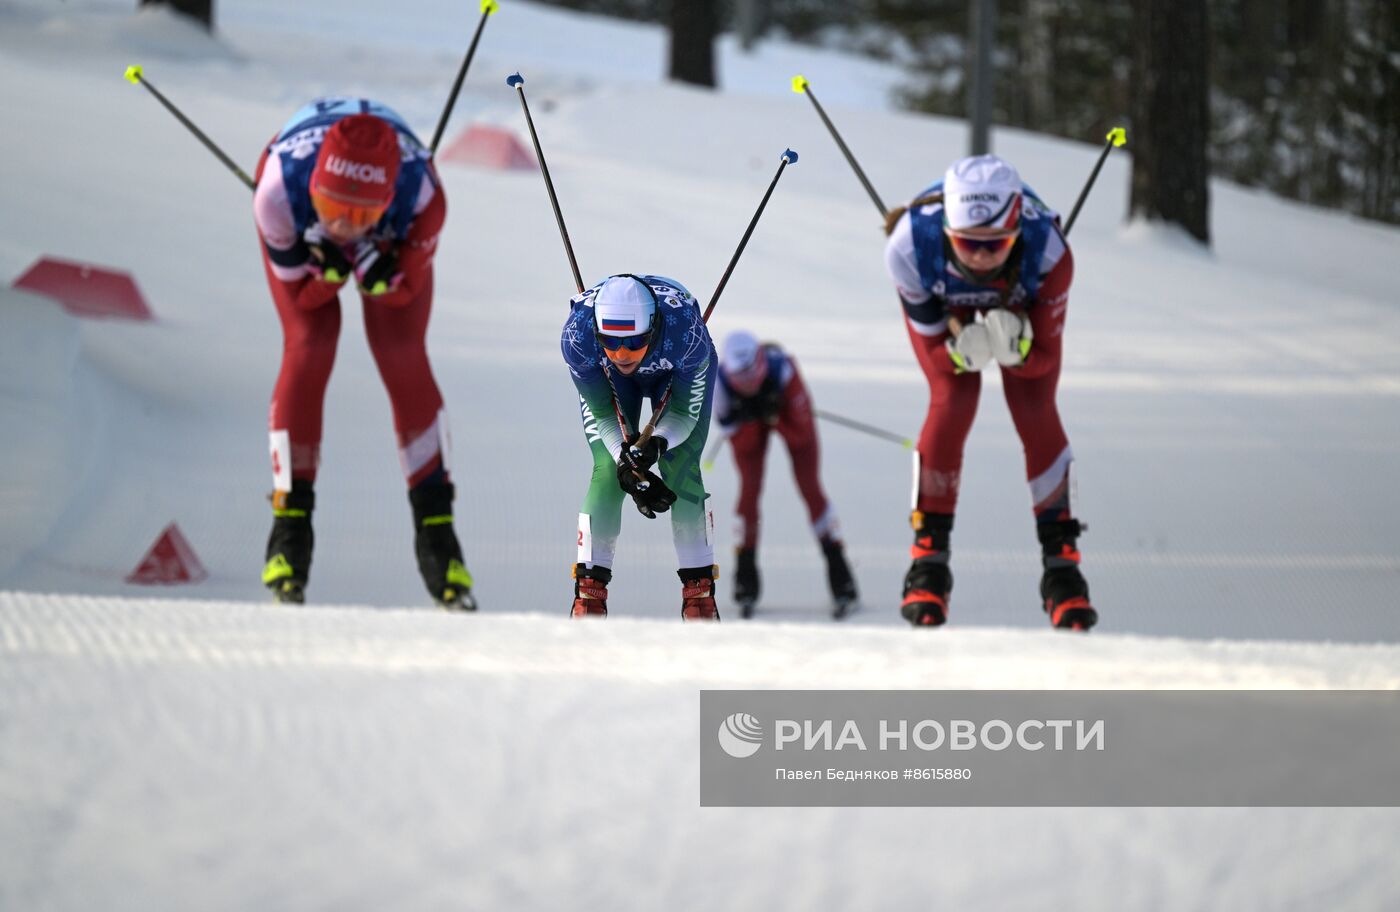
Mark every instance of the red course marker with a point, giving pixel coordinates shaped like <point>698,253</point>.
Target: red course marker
<point>488,147</point>
<point>86,290</point>
<point>170,561</point>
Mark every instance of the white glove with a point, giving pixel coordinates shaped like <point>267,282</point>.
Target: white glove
<point>1009,335</point>
<point>972,349</point>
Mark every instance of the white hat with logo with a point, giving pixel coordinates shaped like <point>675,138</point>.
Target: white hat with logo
<point>982,191</point>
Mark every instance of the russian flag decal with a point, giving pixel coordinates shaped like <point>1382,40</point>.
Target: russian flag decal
<point>619,324</point>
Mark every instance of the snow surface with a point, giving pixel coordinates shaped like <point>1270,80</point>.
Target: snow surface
<point>1235,414</point>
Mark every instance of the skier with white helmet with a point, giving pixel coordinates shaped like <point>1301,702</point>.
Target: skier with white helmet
<point>761,392</point>
<point>981,244</point>
<point>627,338</point>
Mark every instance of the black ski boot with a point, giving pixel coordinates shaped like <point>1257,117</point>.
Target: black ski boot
<point>435,544</point>
<point>289,545</point>
<point>929,581</point>
<point>590,591</point>
<point>746,583</point>
<point>1064,594</point>
<point>839,578</point>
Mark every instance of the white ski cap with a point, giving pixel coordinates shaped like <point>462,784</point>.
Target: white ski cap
<point>740,350</point>
<point>623,306</point>
<point>981,191</point>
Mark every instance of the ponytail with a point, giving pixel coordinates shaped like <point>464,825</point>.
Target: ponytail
<point>894,215</point>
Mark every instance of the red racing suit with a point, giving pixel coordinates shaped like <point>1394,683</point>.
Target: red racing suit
<point>781,404</point>
<point>1029,389</point>
<point>395,323</point>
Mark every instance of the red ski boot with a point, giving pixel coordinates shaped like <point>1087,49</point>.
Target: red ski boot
<point>698,594</point>
<point>591,591</point>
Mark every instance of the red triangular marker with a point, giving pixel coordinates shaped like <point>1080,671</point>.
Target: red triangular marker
<point>489,147</point>
<point>86,290</point>
<point>171,560</point>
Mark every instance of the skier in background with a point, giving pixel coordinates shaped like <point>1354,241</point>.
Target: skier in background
<point>629,337</point>
<point>980,243</point>
<point>346,194</point>
<point>761,391</point>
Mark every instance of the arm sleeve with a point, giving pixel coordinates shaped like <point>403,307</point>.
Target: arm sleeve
<point>1047,318</point>
<point>689,399</point>
<point>596,400</point>
<point>284,252</point>
<point>728,418</point>
<point>922,308</point>
<point>902,264</point>
<point>287,253</point>
<point>788,372</point>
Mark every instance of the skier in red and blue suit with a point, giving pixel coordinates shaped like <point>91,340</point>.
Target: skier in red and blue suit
<point>346,193</point>
<point>983,271</point>
<point>761,392</point>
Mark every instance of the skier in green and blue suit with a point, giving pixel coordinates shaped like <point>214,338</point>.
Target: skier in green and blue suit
<point>628,338</point>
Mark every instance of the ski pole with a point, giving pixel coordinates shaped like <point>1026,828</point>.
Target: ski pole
<point>1116,137</point>
<point>487,8</point>
<point>518,83</point>
<point>135,76</point>
<point>715,447</point>
<point>873,431</point>
<point>801,86</point>
<point>865,428</point>
<point>788,157</point>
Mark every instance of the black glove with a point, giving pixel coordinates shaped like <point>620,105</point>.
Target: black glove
<point>377,271</point>
<point>648,491</point>
<point>644,457</point>
<point>763,406</point>
<point>328,262</point>
<point>657,498</point>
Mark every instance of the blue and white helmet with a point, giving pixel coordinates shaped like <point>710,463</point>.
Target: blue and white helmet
<point>982,191</point>
<point>624,306</point>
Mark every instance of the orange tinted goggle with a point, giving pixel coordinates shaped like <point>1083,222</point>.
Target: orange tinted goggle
<point>356,215</point>
<point>967,245</point>
<point>626,354</point>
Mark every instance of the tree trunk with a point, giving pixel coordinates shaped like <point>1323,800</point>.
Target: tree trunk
<point>1038,63</point>
<point>201,10</point>
<point>694,24</point>
<point>1171,114</point>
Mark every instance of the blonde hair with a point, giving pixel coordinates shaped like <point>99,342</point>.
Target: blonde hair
<point>894,215</point>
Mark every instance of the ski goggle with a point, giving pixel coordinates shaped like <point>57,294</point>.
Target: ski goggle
<point>749,378</point>
<point>965,245</point>
<point>638,342</point>
<point>345,216</point>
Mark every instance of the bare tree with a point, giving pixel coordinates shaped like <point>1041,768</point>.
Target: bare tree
<point>201,10</point>
<point>694,25</point>
<point>1171,114</point>
<point>1038,60</point>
